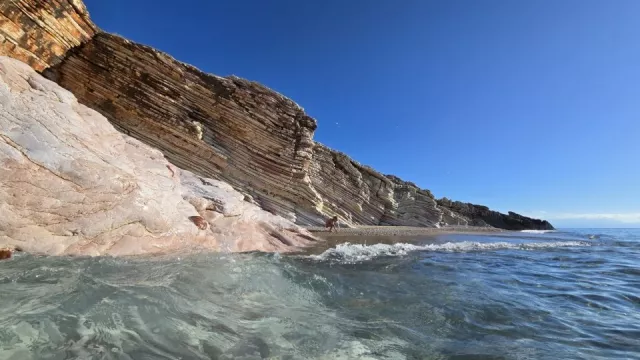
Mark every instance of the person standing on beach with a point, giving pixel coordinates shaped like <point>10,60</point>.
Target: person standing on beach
<point>331,223</point>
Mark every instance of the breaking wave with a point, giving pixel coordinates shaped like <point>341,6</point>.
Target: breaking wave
<point>537,231</point>
<point>359,252</point>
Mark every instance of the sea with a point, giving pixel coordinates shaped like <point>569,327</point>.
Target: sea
<point>567,294</point>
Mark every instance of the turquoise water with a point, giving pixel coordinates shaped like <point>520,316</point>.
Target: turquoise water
<point>563,295</point>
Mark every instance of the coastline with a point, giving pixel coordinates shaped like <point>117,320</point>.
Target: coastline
<point>399,231</point>
<point>227,165</point>
<point>389,235</point>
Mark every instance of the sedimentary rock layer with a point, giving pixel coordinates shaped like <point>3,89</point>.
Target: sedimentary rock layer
<point>229,129</point>
<point>237,131</point>
<point>71,184</point>
<point>240,132</point>
<point>41,32</point>
<point>479,215</point>
<point>362,195</point>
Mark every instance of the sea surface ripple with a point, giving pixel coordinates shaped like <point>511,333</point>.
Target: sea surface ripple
<point>571,294</point>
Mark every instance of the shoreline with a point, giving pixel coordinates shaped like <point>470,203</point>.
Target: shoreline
<point>374,230</point>
<point>368,235</point>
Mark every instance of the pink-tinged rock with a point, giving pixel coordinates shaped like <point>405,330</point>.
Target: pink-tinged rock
<point>71,184</point>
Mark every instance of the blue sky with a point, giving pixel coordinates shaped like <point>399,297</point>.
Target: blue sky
<point>529,106</point>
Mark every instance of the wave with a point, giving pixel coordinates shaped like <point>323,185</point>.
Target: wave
<point>537,231</point>
<point>358,252</point>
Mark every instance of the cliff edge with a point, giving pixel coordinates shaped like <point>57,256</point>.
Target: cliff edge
<point>225,128</point>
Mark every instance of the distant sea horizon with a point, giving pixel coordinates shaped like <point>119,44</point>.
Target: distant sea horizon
<point>601,228</point>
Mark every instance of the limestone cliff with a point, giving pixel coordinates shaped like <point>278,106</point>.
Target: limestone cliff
<point>237,131</point>
<point>362,195</point>
<point>478,215</point>
<point>227,128</point>
<point>224,128</point>
<point>71,184</point>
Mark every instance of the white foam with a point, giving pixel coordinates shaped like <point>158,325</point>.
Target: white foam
<point>358,252</point>
<point>537,231</point>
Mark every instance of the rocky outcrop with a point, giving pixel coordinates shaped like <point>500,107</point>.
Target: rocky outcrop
<point>477,215</point>
<point>71,184</point>
<point>415,206</point>
<point>223,128</point>
<point>40,33</point>
<point>240,132</point>
<point>237,131</point>
<point>361,195</point>
<point>237,224</point>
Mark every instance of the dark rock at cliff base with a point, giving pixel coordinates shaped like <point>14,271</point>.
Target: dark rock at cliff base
<point>478,215</point>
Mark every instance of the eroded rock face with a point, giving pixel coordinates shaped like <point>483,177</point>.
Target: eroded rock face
<point>361,195</point>
<point>71,184</point>
<point>225,128</point>
<point>237,131</point>
<point>40,33</point>
<point>243,133</point>
<point>239,225</point>
<point>478,215</point>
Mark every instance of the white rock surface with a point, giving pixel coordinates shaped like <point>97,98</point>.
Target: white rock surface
<point>71,184</point>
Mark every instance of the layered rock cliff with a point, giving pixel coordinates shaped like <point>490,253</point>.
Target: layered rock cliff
<point>71,184</point>
<point>226,128</point>
<point>362,195</point>
<point>478,215</point>
<point>40,32</point>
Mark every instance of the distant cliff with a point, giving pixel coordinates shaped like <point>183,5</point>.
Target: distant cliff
<point>225,128</point>
<point>478,215</point>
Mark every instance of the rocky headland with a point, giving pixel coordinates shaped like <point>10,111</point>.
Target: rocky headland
<point>125,150</point>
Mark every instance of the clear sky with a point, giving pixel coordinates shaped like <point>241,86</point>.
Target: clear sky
<point>529,106</point>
